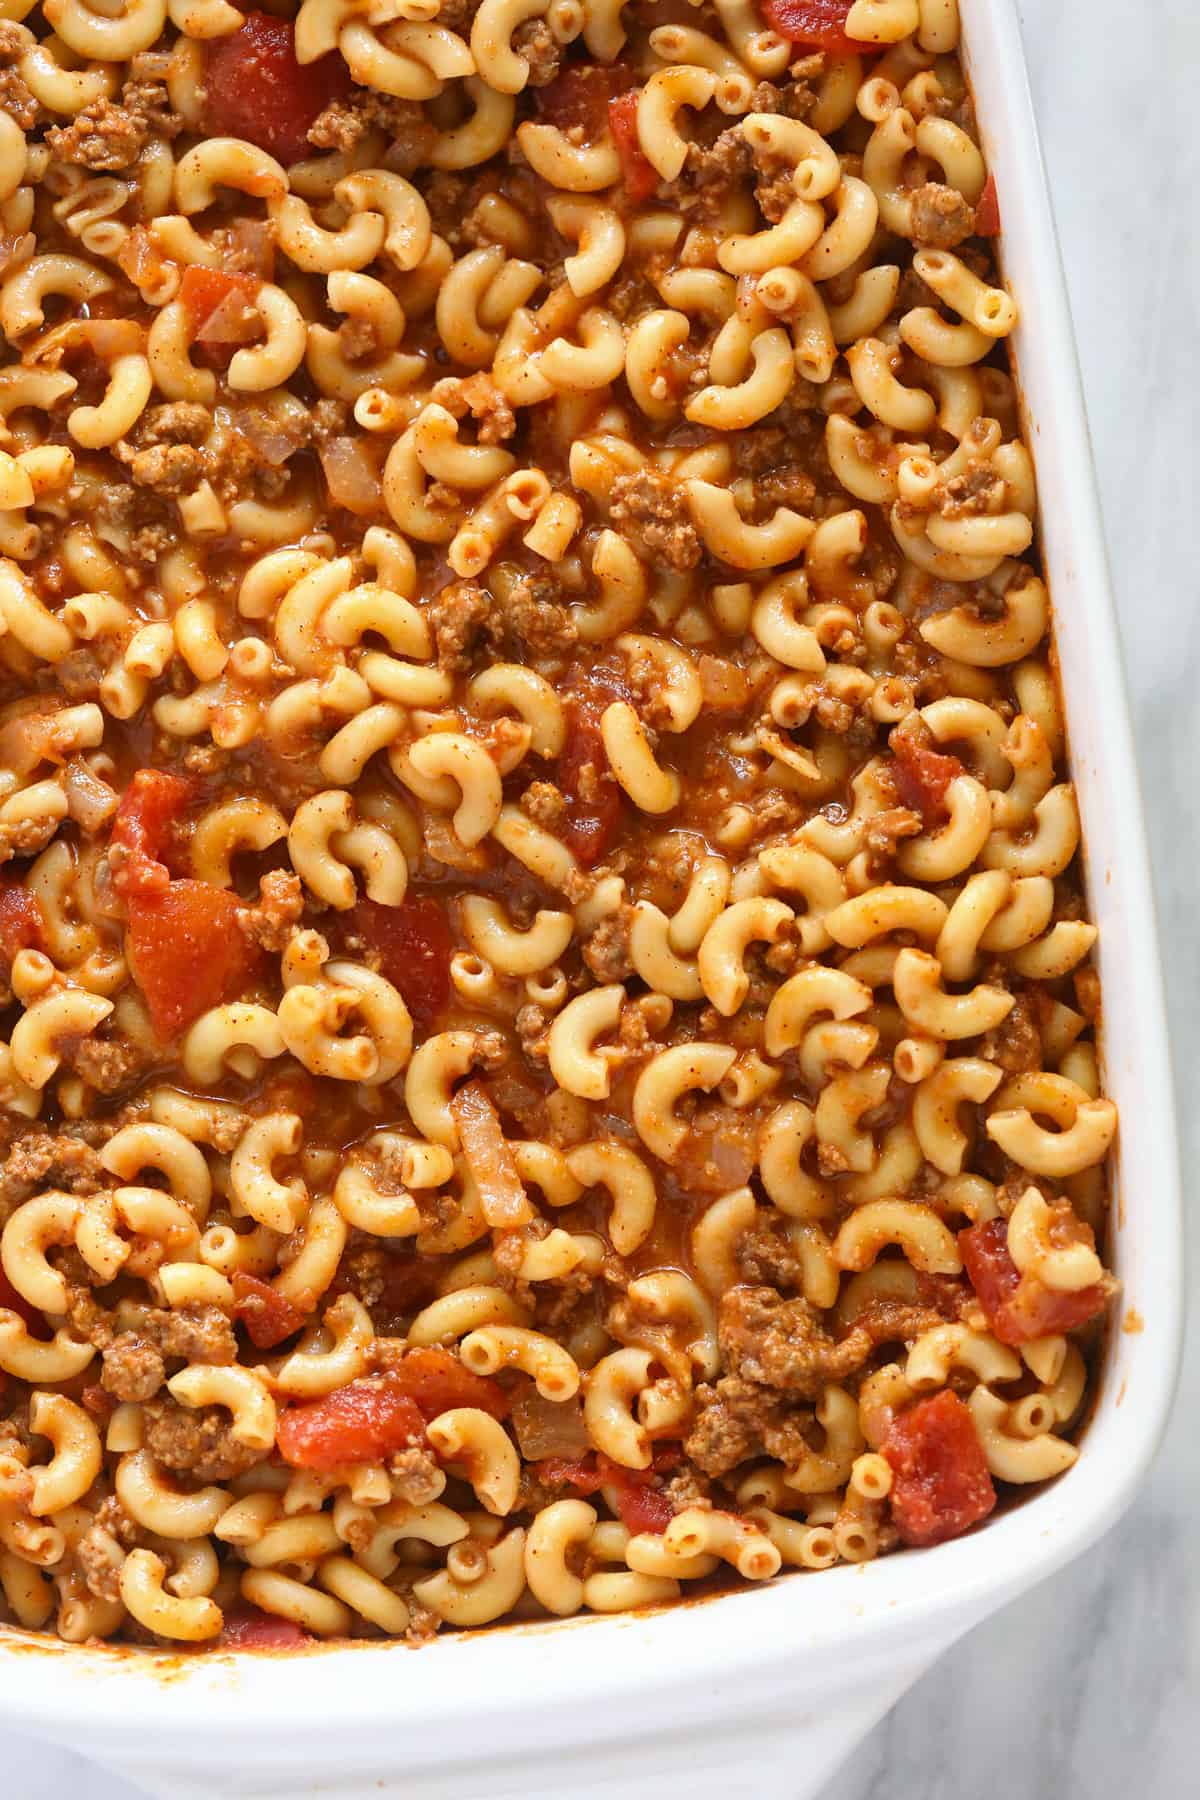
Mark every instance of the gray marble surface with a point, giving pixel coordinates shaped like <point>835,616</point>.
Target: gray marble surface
<point>1088,1688</point>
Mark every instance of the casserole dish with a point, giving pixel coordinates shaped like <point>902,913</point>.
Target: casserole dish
<point>792,1671</point>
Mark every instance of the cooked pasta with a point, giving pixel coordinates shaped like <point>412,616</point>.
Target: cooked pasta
<point>550,1042</point>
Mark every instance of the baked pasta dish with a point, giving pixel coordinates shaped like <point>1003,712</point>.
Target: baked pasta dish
<point>549,1051</point>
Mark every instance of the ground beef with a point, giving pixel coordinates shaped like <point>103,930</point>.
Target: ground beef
<point>606,951</point>
<point>109,1064</point>
<point>544,804</point>
<point>196,1442</point>
<point>941,218</point>
<point>537,44</point>
<point>524,623</point>
<point>457,616</point>
<point>111,135</point>
<point>774,193</point>
<point>794,98</point>
<point>737,1420</point>
<point>102,1548</point>
<point>280,907</point>
<point>688,1488</point>
<point>1016,1044</point>
<point>170,469</point>
<point>529,623</point>
<point>884,833</point>
<point>133,1369</point>
<point>176,422</point>
<point>458,15</point>
<point>17,101</point>
<point>41,1160</point>
<point>780,1343</point>
<point>478,395</point>
<point>767,1257</point>
<point>532,1027</point>
<point>977,490</point>
<point>345,123</point>
<point>447,197</point>
<point>651,511</point>
<point>720,167</point>
<point>196,1333</point>
<point>416,1477</point>
<point>761,448</point>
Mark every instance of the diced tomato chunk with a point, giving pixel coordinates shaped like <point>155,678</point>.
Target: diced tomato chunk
<point>220,307</point>
<point>987,210</point>
<point>643,1508</point>
<point>595,806</point>
<point>941,1485</point>
<point>414,946</point>
<point>257,90</point>
<point>581,94</point>
<point>435,1381</point>
<point>1019,1307</point>
<point>362,1422</point>
<point>21,924</point>
<point>921,777</point>
<point>268,1315</point>
<point>581,1473</point>
<point>638,174</point>
<point>817,24</point>
<point>150,805</point>
<point>250,1629</point>
<point>186,952</point>
<point>24,1309</point>
<point>98,1401</point>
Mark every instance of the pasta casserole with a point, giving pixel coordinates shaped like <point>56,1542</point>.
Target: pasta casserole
<point>549,1057</point>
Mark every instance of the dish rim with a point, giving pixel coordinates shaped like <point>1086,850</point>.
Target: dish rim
<point>852,1614</point>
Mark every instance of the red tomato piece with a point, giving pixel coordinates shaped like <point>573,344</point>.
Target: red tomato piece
<point>638,173</point>
<point>435,1381</point>
<point>922,777</point>
<point>941,1484</point>
<point>250,1629</point>
<point>414,948</point>
<point>362,1422</point>
<point>98,1401</point>
<point>150,805</point>
<point>817,24</point>
<point>987,212</point>
<point>186,952</point>
<point>20,921</point>
<point>220,308</point>
<point>24,1309</point>
<point>1019,1307</point>
<point>643,1508</point>
<point>258,91</point>
<point>407,1283</point>
<point>563,1471</point>
<point>581,94</point>
<point>268,1315</point>
<point>594,804</point>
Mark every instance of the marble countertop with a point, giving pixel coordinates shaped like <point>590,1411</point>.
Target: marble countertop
<point>1085,1689</point>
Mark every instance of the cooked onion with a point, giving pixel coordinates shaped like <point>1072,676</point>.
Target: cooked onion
<point>501,1192</point>
<point>549,1427</point>
<point>352,475</point>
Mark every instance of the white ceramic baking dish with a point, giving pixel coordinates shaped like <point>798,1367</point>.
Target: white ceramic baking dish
<point>760,1691</point>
